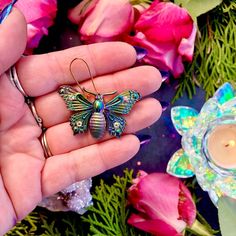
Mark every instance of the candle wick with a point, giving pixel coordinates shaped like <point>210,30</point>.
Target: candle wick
<point>230,143</point>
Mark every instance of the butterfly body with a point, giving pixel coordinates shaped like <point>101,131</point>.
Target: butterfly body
<point>97,124</point>
<point>98,115</point>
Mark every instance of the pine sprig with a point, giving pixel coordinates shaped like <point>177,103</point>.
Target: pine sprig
<point>45,223</point>
<point>108,215</point>
<point>28,226</point>
<point>214,60</point>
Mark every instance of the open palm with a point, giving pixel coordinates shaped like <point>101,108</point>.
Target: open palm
<point>25,175</point>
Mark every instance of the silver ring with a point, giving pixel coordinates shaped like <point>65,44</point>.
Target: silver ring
<point>15,80</point>
<point>30,102</point>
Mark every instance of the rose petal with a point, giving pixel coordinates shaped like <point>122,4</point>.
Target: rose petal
<point>157,196</point>
<point>162,55</point>
<point>35,9</point>
<point>166,21</point>
<point>3,3</point>
<point>109,22</point>
<point>156,227</point>
<point>186,205</point>
<point>39,15</point>
<point>167,32</point>
<point>186,46</point>
<point>106,21</point>
<point>81,11</point>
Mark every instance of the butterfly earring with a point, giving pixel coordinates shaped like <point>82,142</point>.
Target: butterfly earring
<point>96,115</point>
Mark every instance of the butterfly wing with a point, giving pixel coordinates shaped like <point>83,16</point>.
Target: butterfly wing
<point>79,121</point>
<point>123,103</point>
<point>116,124</point>
<point>74,100</point>
<point>120,105</point>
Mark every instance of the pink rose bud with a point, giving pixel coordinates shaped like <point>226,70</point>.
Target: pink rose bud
<point>103,20</point>
<point>164,204</point>
<point>39,15</point>
<point>168,33</point>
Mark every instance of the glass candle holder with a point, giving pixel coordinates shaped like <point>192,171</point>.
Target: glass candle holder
<point>208,144</point>
<point>219,145</point>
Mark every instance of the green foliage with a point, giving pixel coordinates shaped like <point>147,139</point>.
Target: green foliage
<point>140,2</point>
<point>109,214</point>
<point>28,226</point>
<point>44,223</point>
<point>201,228</point>
<point>107,217</point>
<point>227,216</point>
<point>198,7</point>
<point>214,60</point>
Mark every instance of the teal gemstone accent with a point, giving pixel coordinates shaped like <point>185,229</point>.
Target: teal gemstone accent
<point>183,118</point>
<point>224,93</point>
<point>98,105</point>
<point>180,166</point>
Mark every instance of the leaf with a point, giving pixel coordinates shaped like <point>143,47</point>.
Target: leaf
<point>227,216</point>
<point>215,53</point>
<point>198,7</point>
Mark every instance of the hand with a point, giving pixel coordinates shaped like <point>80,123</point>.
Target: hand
<point>25,175</point>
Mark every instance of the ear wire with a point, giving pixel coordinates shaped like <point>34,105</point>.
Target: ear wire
<point>90,74</point>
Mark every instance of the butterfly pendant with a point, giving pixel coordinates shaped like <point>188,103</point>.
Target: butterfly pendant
<point>98,115</point>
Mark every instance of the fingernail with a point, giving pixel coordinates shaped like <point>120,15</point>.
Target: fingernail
<point>164,105</point>
<point>141,52</point>
<point>144,139</point>
<point>6,11</point>
<point>165,75</point>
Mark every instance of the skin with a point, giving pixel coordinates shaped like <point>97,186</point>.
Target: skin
<point>25,175</point>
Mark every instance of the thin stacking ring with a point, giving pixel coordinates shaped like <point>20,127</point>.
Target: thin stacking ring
<point>29,100</point>
<point>38,119</point>
<point>46,149</point>
<point>15,81</point>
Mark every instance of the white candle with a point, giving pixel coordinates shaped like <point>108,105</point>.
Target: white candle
<point>221,144</point>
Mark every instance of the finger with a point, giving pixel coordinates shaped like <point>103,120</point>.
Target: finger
<point>62,170</point>
<point>7,216</point>
<point>12,39</point>
<point>60,138</point>
<point>12,103</point>
<point>41,74</point>
<point>146,80</point>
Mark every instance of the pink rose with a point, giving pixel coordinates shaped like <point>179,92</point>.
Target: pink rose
<point>164,203</point>
<point>39,15</point>
<point>103,20</point>
<point>168,33</point>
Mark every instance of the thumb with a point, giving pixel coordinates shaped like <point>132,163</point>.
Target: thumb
<point>13,37</point>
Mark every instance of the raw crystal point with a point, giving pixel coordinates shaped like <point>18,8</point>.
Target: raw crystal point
<point>75,198</point>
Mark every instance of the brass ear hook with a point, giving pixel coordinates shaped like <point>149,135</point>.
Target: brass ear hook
<point>104,94</point>
<point>90,74</point>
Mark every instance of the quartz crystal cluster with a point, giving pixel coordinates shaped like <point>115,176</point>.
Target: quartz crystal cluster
<point>193,158</point>
<point>75,198</point>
